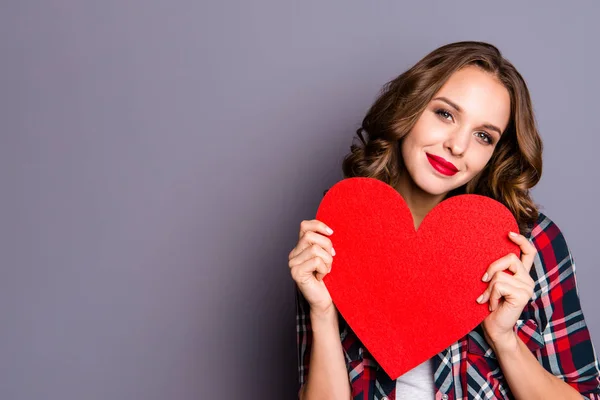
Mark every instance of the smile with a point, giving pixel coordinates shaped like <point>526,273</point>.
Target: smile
<point>441,165</point>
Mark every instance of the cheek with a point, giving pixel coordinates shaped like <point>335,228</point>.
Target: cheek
<point>411,147</point>
<point>432,131</point>
<point>478,162</point>
<point>426,132</point>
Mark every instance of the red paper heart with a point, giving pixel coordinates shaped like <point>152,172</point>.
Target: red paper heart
<point>409,295</point>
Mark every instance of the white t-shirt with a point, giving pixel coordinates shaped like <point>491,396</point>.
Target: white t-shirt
<point>417,383</point>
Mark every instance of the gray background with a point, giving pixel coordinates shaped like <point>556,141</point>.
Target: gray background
<point>158,157</point>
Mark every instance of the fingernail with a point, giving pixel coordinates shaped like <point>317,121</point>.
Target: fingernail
<point>332,251</point>
<point>329,230</point>
<point>490,307</point>
<point>512,234</point>
<point>480,298</point>
<point>485,277</point>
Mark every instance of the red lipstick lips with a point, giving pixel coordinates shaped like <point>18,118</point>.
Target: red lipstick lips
<point>441,165</point>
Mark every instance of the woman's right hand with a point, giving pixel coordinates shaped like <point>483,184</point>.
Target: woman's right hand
<point>310,261</point>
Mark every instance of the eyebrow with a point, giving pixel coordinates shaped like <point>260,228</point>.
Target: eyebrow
<point>457,108</point>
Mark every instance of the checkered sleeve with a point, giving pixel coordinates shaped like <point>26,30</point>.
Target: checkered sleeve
<point>567,350</point>
<point>303,336</point>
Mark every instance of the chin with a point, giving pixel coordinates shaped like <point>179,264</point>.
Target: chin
<point>436,187</point>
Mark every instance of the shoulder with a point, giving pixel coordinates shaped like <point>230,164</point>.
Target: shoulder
<point>553,272</point>
<point>548,238</point>
<point>553,267</point>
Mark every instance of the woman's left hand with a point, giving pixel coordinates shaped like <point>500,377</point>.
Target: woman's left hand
<point>507,294</point>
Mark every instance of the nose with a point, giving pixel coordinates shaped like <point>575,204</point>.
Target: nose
<point>458,142</point>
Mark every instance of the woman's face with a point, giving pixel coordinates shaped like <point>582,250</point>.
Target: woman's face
<point>461,125</point>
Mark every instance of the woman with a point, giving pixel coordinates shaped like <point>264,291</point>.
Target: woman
<point>459,121</point>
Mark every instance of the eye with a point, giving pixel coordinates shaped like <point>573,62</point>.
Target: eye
<point>443,113</point>
<point>446,115</point>
<point>486,137</point>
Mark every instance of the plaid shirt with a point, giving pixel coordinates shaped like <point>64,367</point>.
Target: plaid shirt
<point>552,326</point>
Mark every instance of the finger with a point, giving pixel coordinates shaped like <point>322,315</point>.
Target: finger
<point>498,291</point>
<point>311,238</point>
<point>528,250</point>
<point>523,275</point>
<point>503,279</point>
<point>314,225</point>
<point>510,279</point>
<point>511,263</point>
<point>518,269</point>
<point>515,294</point>
<point>311,269</point>
<point>508,262</point>
<point>313,251</point>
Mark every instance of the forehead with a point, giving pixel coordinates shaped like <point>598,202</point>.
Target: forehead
<point>480,95</point>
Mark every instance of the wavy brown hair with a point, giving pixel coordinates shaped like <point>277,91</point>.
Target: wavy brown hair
<point>516,163</point>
